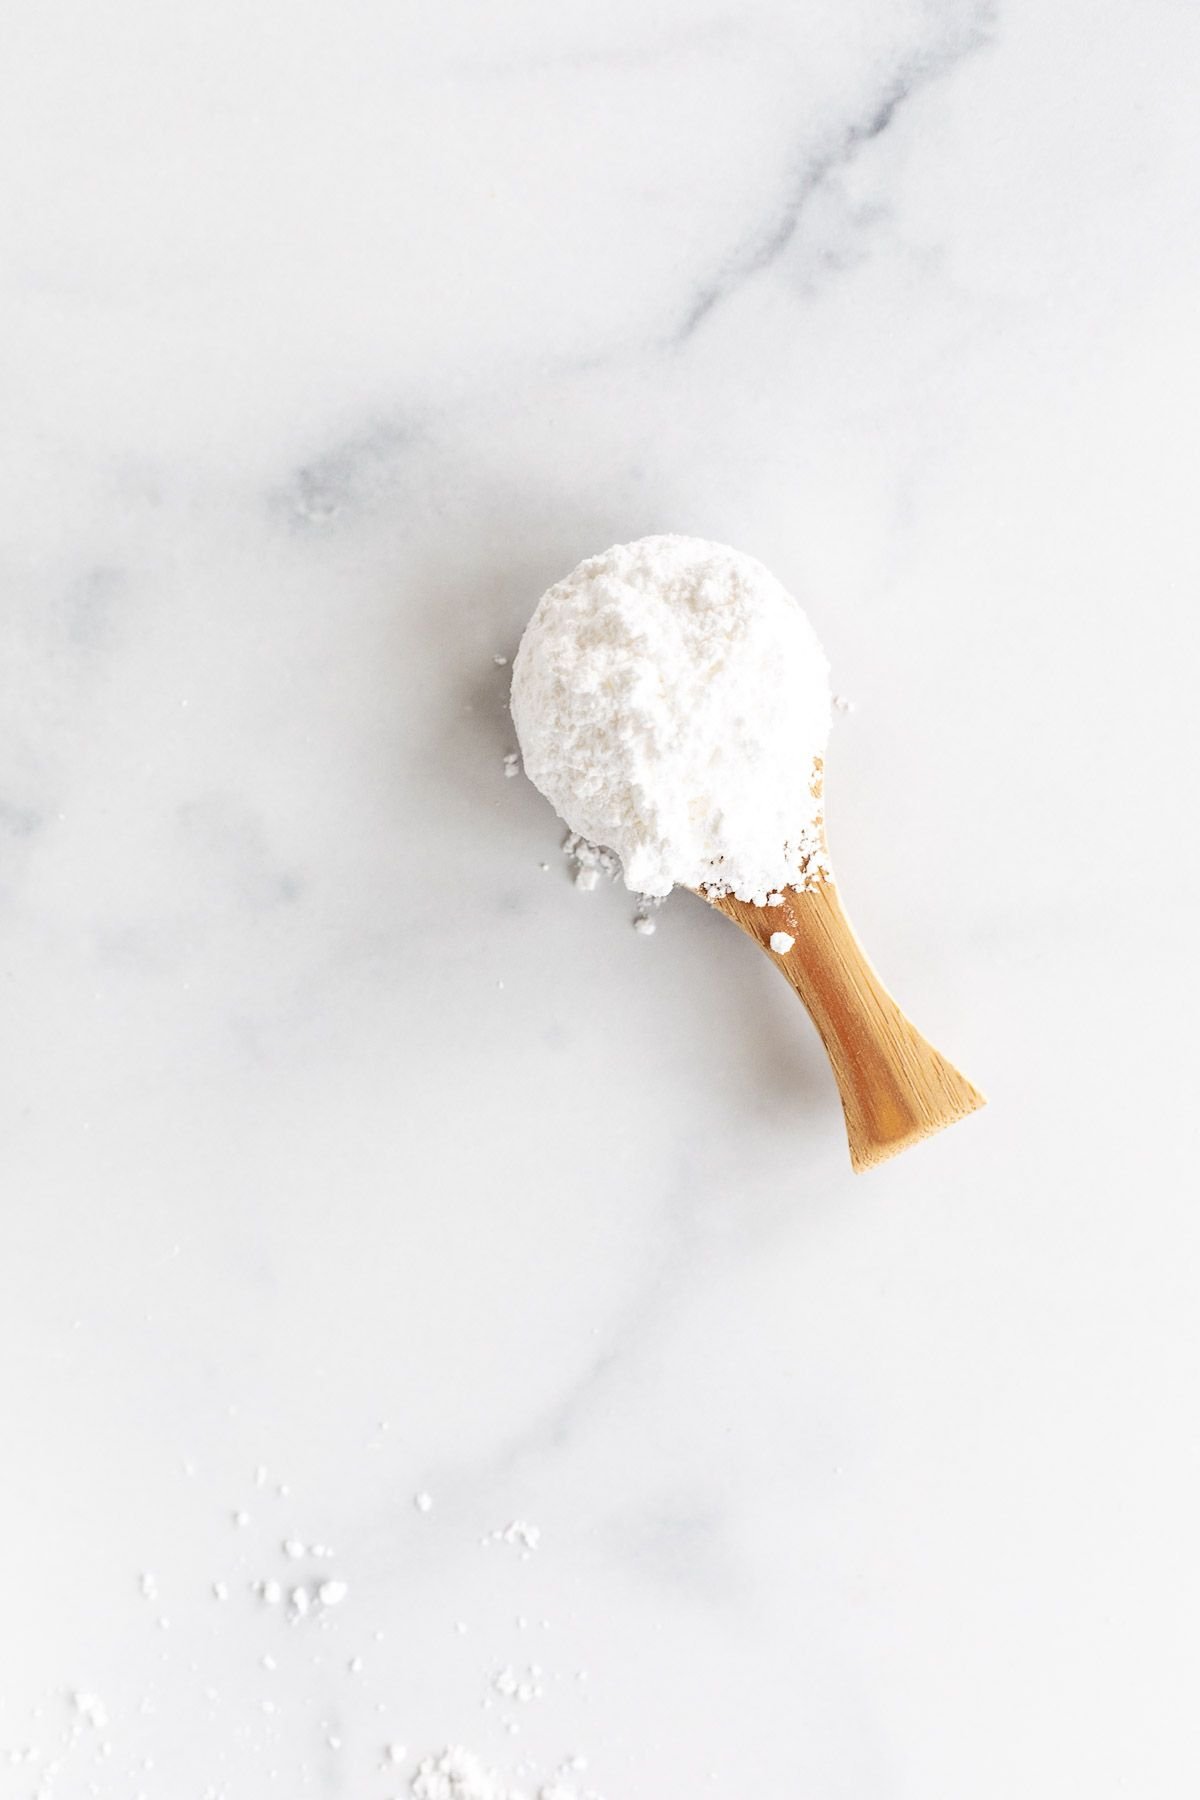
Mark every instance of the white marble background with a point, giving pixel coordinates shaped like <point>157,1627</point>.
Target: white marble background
<point>329,335</point>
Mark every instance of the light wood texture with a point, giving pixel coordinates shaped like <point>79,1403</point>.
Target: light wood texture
<point>896,1089</point>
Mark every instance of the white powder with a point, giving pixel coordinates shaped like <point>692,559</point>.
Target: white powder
<point>511,1684</point>
<point>332,1593</point>
<point>672,701</point>
<point>457,1774</point>
<point>590,859</point>
<point>423,1502</point>
<point>91,1709</point>
<point>520,1532</point>
<point>782,942</point>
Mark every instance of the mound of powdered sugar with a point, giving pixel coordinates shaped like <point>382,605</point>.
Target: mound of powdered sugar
<point>672,702</point>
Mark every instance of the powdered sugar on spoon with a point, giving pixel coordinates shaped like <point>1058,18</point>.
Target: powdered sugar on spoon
<point>672,701</point>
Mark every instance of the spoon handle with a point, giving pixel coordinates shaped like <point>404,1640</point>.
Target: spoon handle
<point>895,1087</point>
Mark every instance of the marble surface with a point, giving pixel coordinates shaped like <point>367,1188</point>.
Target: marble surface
<point>347,1148</point>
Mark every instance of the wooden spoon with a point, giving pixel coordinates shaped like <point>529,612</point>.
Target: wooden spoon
<point>895,1087</point>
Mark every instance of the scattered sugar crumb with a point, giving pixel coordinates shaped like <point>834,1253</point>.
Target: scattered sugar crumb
<point>458,1774</point>
<point>512,763</point>
<point>270,1592</point>
<point>220,1590</point>
<point>91,1710</point>
<point>301,1600</point>
<point>781,942</point>
<point>645,926</point>
<point>590,858</point>
<point>148,1585</point>
<point>519,1532</point>
<point>587,879</point>
<point>842,704</point>
<point>775,899</point>
<point>499,661</point>
<point>355,1665</point>
<point>295,1548</point>
<point>395,1753</point>
<point>521,1685</point>
<point>423,1502</point>
<point>241,1518</point>
<point>332,1593</point>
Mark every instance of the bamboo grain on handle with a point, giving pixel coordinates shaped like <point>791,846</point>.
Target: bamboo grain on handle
<point>895,1087</point>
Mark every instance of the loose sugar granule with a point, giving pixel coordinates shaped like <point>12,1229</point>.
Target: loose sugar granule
<point>781,942</point>
<point>91,1709</point>
<point>520,1532</point>
<point>457,1774</point>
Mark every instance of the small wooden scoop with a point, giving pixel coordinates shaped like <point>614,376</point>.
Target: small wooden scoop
<point>895,1087</point>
